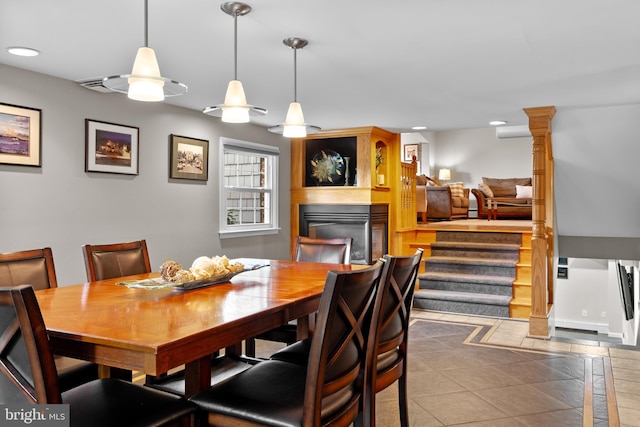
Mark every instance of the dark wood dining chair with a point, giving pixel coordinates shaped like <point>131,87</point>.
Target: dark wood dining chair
<point>329,389</point>
<point>35,267</point>
<point>116,260</point>
<point>333,251</point>
<point>28,376</point>
<point>389,363</point>
<point>389,339</point>
<point>306,249</point>
<point>109,261</point>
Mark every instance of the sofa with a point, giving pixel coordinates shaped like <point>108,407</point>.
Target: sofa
<point>510,197</point>
<point>443,202</point>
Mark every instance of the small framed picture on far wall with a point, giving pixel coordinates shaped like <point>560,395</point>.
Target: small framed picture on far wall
<point>411,151</point>
<point>189,158</point>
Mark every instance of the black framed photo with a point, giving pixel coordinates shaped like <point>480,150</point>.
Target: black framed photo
<point>189,158</point>
<point>20,135</point>
<point>111,148</point>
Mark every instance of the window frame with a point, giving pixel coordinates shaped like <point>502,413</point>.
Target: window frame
<point>226,231</point>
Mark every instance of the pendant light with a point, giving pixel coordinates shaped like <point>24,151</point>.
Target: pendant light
<point>235,108</point>
<point>294,125</point>
<point>145,82</point>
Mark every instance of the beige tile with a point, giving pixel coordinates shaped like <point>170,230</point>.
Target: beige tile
<point>626,386</point>
<point>629,417</point>
<point>551,345</point>
<point>514,325</point>
<point>628,400</point>
<point>589,349</point>
<point>624,353</point>
<point>626,374</point>
<point>632,364</point>
<point>505,339</point>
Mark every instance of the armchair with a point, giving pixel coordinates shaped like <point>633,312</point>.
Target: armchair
<point>443,203</point>
<point>437,201</point>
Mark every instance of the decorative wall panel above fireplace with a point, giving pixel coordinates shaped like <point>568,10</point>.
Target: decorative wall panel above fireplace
<point>331,161</point>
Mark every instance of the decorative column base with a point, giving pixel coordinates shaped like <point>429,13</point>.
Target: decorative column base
<point>539,327</point>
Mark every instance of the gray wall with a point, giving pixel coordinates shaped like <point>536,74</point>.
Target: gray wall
<point>597,182</point>
<point>62,206</point>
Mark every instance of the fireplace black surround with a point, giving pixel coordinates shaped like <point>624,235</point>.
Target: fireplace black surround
<point>368,225</point>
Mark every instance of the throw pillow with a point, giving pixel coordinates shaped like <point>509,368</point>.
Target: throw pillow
<point>421,180</point>
<point>503,191</point>
<point>485,189</point>
<point>433,181</point>
<point>457,189</point>
<point>524,191</point>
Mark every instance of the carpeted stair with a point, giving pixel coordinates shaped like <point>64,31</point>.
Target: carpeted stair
<point>470,272</point>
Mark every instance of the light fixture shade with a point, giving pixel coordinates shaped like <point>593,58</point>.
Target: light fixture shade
<point>444,174</point>
<point>235,108</point>
<point>145,81</point>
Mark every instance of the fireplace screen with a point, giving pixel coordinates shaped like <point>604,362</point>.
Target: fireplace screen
<point>365,224</point>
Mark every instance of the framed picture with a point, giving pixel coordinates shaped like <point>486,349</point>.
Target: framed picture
<point>111,148</point>
<point>20,135</point>
<point>331,161</point>
<point>189,158</point>
<point>411,150</point>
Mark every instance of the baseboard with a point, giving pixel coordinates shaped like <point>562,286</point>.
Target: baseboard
<point>601,328</point>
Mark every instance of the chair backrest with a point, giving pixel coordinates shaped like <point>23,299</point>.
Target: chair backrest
<point>116,260</point>
<point>31,267</point>
<point>27,368</point>
<point>334,251</point>
<point>389,338</point>
<point>339,350</point>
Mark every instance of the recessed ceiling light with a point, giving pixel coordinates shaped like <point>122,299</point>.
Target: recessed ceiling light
<point>22,51</point>
<point>419,127</point>
<point>497,122</point>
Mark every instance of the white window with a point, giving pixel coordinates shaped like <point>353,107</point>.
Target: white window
<point>248,188</point>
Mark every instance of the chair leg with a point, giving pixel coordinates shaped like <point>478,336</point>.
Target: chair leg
<point>403,401</point>
<point>250,347</point>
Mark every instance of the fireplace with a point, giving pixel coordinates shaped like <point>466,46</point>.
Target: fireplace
<point>367,225</point>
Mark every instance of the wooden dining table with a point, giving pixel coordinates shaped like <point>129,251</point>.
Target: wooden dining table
<point>155,330</point>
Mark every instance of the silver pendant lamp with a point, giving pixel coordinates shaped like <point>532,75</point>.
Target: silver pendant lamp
<point>235,108</point>
<point>145,82</point>
<point>294,125</point>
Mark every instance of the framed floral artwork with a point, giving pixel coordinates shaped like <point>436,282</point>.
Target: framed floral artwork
<point>111,148</point>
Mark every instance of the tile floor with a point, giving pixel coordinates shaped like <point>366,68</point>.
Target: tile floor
<point>485,372</point>
<point>475,371</point>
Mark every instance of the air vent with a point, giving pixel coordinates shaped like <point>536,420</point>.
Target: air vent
<point>95,84</point>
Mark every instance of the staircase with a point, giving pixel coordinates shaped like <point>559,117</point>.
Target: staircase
<point>471,273</point>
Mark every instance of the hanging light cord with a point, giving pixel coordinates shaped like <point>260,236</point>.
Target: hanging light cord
<point>146,23</point>
<point>295,75</point>
<point>235,46</point>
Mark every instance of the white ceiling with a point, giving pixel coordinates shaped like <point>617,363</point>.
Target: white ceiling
<point>445,64</point>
